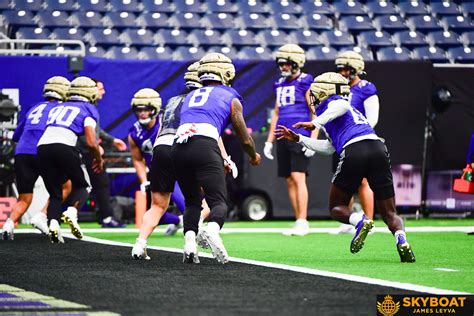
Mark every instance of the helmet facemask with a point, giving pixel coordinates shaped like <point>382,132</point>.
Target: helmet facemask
<point>145,108</point>
<point>293,67</point>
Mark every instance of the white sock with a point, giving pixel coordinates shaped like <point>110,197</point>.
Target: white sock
<point>141,241</point>
<point>190,236</point>
<point>213,227</point>
<point>400,233</point>
<point>355,218</point>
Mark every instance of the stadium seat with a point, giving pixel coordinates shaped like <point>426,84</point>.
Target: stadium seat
<point>423,23</point>
<point>47,18</point>
<point>204,37</point>
<point>408,7</point>
<point>239,38</point>
<point>153,20</point>
<point>93,5</point>
<point>61,5</point>
<point>337,39</point>
<point>443,8</point>
<point>230,52</point>
<point>344,7</point>
<point>306,38</point>
<point>272,38</point>
<point>393,53</point>
<point>186,20</point>
<point>252,52</point>
<point>171,37</point>
<point>86,19</point>
<point>457,23</point>
<point>218,21</point>
<point>137,37</point>
<point>221,7</point>
<point>125,5</point>
<point>443,39</point>
<point>188,53</point>
<point>374,39</point>
<point>435,54</point>
<point>120,20</point>
<point>122,52</point>
<point>289,7</point>
<point>252,7</point>
<point>68,33</point>
<point>29,5</point>
<point>285,21</point>
<point>467,7</point>
<point>366,53</point>
<point>377,7</point>
<point>409,39</point>
<point>462,54</point>
<point>153,52</point>
<point>321,53</point>
<point>252,21</point>
<point>355,23</point>
<point>317,21</point>
<point>96,51</point>
<point>100,36</point>
<point>162,6</point>
<point>468,38</point>
<point>193,6</point>
<point>390,23</point>
<point>32,33</point>
<point>320,7</point>
<point>18,18</point>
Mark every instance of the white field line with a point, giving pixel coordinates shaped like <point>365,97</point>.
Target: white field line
<point>343,276</point>
<point>445,270</point>
<point>425,229</point>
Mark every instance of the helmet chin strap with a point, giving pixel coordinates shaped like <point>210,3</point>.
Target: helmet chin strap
<point>144,121</point>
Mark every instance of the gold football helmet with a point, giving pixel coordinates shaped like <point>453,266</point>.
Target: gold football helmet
<point>56,87</point>
<point>216,67</point>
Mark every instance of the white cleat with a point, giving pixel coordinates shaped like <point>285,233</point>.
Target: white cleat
<point>139,250</point>
<point>201,241</point>
<point>300,228</point>
<point>70,217</point>
<point>346,229</point>
<point>173,228</point>
<point>8,228</point>
<point>217,246</point>
<point>40,222</point>
<point>55,232</point>
<point>190,252</point>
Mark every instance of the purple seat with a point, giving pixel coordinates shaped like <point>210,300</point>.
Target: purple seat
<point>93,5</point>
<point>49,18</point>
<point>393,53</point>
<point>390,23</point>
<point>153,20</point>
<point>317,21</point>
<point>462,54</point>
<point>187,20</point>
<point>435,54</point>
<point>218,21</point>
<point>409,39</point>
<point>137,37</point>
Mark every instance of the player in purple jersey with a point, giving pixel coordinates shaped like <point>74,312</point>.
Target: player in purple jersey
<point>363,97</point>
<point>27,135</point>
<point>292,91</point>
<point>60,159</point>
<point>363,155</point>
<point>199,163</point>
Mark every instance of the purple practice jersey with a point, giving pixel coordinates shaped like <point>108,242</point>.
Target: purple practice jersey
<point>290,97</point>
<point>361,92</point>
<point>32,127</point>
<point>346,127</point>
<point>144,139</point>
<point>71,115</point>
<point>211,105</point>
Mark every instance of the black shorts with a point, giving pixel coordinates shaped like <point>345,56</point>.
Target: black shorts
<point>365,159</point>
<point>27,172</point>
<point>290,158</point>
<point>162,174</point>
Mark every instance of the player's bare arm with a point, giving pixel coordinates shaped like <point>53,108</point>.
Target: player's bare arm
<point>91,142</point>
<point>138,161</point>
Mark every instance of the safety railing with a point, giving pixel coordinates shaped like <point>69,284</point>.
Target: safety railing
<point>20,47</point>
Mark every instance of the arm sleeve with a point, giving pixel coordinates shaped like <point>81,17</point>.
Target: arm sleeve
<point>318,145</point>
<point>371,106</point>
<point>335,109</point>
<point>106,137</point>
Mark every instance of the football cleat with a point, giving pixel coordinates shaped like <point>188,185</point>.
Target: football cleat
<point>55,232</point>
<point>404,250</point>
<point>346,229</point>
<point>217,246</point>
<point>362,230</point>
<point>40,222</point>
<point>8,228</point>
<point>70,217</point>
<point>300,228</point>
<point>110,222</point>
<point>190,252</point>
<point>139,250</point>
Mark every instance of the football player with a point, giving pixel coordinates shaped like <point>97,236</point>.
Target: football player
<point>291,106</point>
<point>59,158</point>
<point>27,135</point>
<point>363,97</point>
<point>199,163</point>
<point>362,155</point>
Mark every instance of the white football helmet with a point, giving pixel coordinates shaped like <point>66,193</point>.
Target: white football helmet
<point>352,60</point>
<point>293,54</point>
<point>56,87</point>
<point>147,99</point>
<point>83,89</point>
<point>216,67</point>
<point>191,77</point>
<point>327,84</point>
